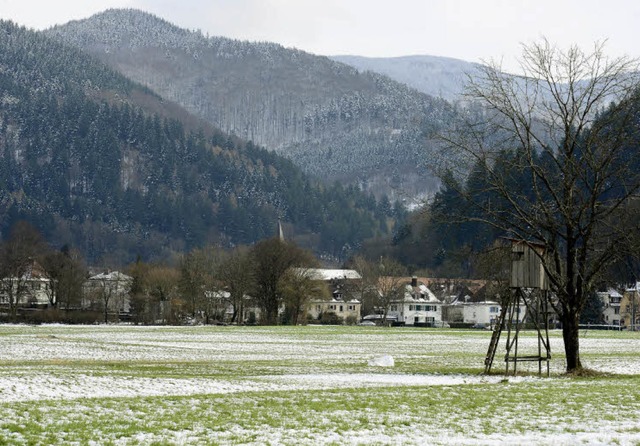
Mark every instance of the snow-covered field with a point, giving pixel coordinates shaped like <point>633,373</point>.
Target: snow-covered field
<point>304,385</point>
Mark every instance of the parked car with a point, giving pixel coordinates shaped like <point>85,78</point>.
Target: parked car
<point>367,323</point>
<point>441,324</point>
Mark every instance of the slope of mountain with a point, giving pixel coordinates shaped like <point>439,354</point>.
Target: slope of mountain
<point>330,119</point>
<point>442,77</point>
<point>102,163</point>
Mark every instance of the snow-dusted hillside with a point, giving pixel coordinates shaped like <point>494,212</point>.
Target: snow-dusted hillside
<point>442,77</point>
<point>329,118</point>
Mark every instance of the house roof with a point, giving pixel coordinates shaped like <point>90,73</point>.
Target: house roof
<point>611,292</point>
<point>335,300</point>
<point>332,274</point>
<point>460,302</point>
<point>420,293</point>
<point>452,286</point>
<point>113,275</point>
<point>634,287</point>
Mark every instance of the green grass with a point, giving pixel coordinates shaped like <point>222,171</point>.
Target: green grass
<point>603,408</point>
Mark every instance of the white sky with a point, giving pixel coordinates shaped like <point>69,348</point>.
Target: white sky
<point>472,30</point>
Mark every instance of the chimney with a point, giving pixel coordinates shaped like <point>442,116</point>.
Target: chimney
<point>414,281</point>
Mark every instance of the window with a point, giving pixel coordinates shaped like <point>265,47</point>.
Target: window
<point>616,310</point>
<point>410,307</point>
<point>517,256</point>
<point>394,308</point>
<point>418,307</point>
<point>494,309</point>
<point>341,309</point>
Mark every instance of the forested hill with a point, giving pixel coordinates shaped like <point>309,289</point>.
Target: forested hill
<point>330,119</point>
<point>85,157</point>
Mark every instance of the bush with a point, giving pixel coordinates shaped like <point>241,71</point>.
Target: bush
<point>330,318</point>
<point>351,320</point>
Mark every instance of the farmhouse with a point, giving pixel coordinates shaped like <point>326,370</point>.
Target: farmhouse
<point>32,289</point>
<point>630,307</point>
<point>474,312</point>
<point>611,300</point>
<point>345,300</point>
<point>109,292</point>
<point>345,309</point>
<point>418,306</point>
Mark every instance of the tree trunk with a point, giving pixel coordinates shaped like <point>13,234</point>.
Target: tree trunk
<point>271,314</point>
<point>13,312</point>
<point>570,331</point>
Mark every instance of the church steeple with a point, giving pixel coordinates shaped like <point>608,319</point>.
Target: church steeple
<point>280,231</point>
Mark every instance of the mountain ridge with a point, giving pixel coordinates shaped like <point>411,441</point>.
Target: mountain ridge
<point>330,119</point>
<point>89,161</point>
<point>437,76</point>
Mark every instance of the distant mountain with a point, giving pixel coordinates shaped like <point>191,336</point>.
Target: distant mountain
<point>442,77</point>
<point>99,162</point>
<point>332,120</point>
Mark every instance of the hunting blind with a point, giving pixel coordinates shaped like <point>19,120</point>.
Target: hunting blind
<point>529,288</point>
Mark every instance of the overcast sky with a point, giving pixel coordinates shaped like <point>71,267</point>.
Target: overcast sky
<point>472,30</point>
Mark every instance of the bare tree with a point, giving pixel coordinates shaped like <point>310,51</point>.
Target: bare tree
<point>391,280</point>
<point>161,287</point>
<point>110,289</point>
<point>273,258</point>
<point>365,288</point>
<point>236,274</point>
<point>297,288</point>
<point>66,273</point>
<point>555,163</point>
<point>196,279</point>
<point>17,256</point>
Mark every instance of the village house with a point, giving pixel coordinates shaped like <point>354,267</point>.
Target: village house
<point>344,309</point>
<point>32,290</point>
<point>611,301</point>
<point>345,300</point>
<point>630,307</point>
<point>248,313</point>
<point>480,308</point>
<point>418,306</point>
<point>109,292</point>
<point>470,311</point>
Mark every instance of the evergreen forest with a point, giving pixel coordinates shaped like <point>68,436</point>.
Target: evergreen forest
<point>100,163</point>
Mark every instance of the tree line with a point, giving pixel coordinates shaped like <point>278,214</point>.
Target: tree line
<point>207,285</point>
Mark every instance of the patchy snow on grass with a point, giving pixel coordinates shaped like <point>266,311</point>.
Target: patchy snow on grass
<point>305,386</point>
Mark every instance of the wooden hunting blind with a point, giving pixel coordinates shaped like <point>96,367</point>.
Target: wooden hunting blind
<point>529,287</point>
<point>527,270</point>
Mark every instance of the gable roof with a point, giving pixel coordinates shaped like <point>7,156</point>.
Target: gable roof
<point>112,276</point>
<point>332,274</point>
<point>420,293</point>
